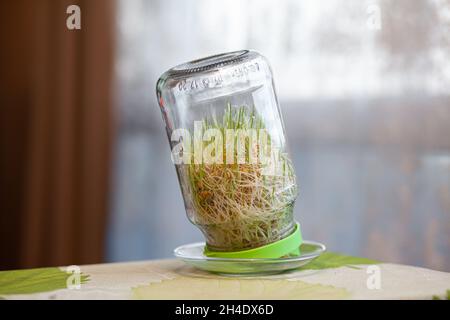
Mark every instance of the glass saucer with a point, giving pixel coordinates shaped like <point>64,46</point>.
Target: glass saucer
<point>193,255</point>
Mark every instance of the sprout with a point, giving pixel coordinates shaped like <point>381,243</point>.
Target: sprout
<point>240,206</point>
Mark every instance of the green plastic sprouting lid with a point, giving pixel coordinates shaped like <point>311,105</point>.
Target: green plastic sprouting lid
<point>289,245</point>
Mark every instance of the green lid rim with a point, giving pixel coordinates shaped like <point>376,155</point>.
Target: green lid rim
<point>275,249</point>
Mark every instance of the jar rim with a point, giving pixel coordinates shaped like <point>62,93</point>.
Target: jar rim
<point>210,62</point>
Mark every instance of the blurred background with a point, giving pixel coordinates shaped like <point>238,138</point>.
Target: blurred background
<point>85,169</point>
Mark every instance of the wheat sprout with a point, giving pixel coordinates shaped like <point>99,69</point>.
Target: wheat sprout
<point>238,206</point>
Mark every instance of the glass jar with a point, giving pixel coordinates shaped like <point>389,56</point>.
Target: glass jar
<point>229,147</point>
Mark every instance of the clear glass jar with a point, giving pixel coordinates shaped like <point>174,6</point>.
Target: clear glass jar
<point>229,148</point>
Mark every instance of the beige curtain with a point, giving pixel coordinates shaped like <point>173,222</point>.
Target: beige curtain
<point>55,129</point>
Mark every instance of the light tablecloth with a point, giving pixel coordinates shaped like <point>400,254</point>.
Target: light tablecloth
<point>331,276</point>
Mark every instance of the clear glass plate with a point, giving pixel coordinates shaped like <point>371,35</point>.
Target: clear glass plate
<point>193,255</point>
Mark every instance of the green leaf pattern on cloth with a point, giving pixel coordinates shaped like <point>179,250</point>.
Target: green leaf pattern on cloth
<point>34,280</point>
<point>446,296</point>
<point>329,260</point>
<point>223,288</point>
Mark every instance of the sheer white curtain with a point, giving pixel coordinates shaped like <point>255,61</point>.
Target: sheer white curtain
<point>364,91</point>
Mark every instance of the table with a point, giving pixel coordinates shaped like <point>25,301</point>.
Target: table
<point>331,276</point>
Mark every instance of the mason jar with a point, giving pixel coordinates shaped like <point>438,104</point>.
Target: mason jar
<point>229,147</point>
